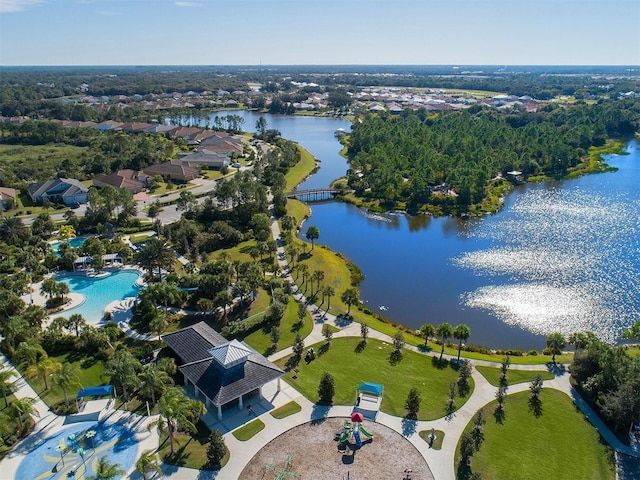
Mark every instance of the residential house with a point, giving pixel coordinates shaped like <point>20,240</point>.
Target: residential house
<point>8,197</point>
<point>172,170</point>
<point>135,127</point>
<point>61,190</point>
<point>222,373</point>
<point>131,180</point>
<point>209,158</point>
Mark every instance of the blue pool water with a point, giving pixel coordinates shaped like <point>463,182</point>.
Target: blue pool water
<point>74,242</point>
<point>99,292</point>
<point>114,440</point>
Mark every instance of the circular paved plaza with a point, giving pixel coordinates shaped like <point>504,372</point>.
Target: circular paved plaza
<point>315,454</point>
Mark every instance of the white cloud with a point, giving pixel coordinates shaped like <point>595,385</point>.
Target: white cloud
<point>107,13</point>
<point>188,4</point>
<point>12,6</point>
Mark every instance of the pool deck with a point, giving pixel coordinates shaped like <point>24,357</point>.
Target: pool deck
<point>76,299</point>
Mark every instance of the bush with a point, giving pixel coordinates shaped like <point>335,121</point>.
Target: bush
<point>532,353</point>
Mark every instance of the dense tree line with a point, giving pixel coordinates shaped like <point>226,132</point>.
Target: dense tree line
<point>398,158</point>
<point>106,152</point>
<point>610,380</point>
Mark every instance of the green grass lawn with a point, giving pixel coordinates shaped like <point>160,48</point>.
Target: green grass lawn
<point>249,430</point>
<point>297,209</point>
<point>437,442</point>
<point>260,340</point>
<point>301,170</point>
<point>290,408</point>
<point>559,444</point>
<point>89,373</point>
<point>189,451</point>
<point>513,376</point>
<point>372,364</point>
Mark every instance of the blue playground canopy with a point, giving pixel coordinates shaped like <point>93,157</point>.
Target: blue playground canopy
<point>95,391</point>
<point>371,388</point>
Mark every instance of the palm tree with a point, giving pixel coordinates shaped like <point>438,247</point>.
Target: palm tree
<point>427,330</point>
<point>177,411</point>
<point>12,230</point>
<point>461,333</point>
<point>66,377</point>
<point>312,233</point>
<point>318,276</point>
<point>350,297</point>
<point>328,292</point>
<point>24,406</point>
<point>6,384</point>
<point>155,254</point>
<point>76,321</point>
<point>153,380</point>
<point>123,369</point>
<point>148,462</point>
<point>29,353</point>
<point>106,470</point>
<point>43,368</point>
<point>555,343</point>
<point>444,331</point>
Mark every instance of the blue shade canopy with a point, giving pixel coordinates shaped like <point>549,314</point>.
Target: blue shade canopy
<point>371,388</point>
<point>95,391</point>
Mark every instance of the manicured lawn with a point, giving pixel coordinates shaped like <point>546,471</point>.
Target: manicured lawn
<point>297,209</point>
<point>260,340</point>
<point>559,444</point>
<point>239,252</point>
<point>301,170</point>
<point>513,376</point>
<point>437,442</point>
<point>249,430</point>
<point>335,271</point>
<point>349,368</point>
<point>190,451</point>
<point>290,408</point>
<point>89,373</point>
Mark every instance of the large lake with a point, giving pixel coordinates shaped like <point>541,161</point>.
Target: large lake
<point>559,256</point>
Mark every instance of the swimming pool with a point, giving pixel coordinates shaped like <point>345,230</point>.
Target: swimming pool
<point>100,292</point>
<point>114,440</point>
<point>74,242</point>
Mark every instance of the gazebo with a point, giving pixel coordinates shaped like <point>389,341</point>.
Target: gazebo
<point>223,372</point>
<point>368,399</point>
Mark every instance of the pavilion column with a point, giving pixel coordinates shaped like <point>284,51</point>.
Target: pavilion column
<point>219,412</point>
<point>240,402</point>
<point>207,402</point>
<point>278,384</point>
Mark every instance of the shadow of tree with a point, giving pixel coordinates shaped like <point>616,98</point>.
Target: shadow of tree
<point>409,426</point>
<point>360,346</point>
<point>439,364</point>
<point>324,348</point>
<point>319,413</point>
<point>499,414</point>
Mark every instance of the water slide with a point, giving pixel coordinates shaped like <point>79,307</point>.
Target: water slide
<point>365,433</point>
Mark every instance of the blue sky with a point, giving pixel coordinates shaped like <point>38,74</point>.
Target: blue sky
<point>282,32</point>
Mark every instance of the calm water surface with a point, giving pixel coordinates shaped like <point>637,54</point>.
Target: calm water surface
<point>559,256</point>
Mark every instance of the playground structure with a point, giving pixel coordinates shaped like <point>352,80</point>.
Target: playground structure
<point>354,427</point>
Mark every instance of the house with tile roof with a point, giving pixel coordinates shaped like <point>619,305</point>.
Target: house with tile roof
<point>61,190</point>
<point>128,179</point>
<point>8,196</point>
<point>222,372</point>
<point>172,170</point>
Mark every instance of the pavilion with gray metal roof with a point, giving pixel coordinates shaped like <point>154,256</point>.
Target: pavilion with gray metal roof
<point>221,371</point>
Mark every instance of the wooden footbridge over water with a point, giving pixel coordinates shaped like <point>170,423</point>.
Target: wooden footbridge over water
<point>317,194</point>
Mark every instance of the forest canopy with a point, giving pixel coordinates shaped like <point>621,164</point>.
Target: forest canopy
<point>399,159</point>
